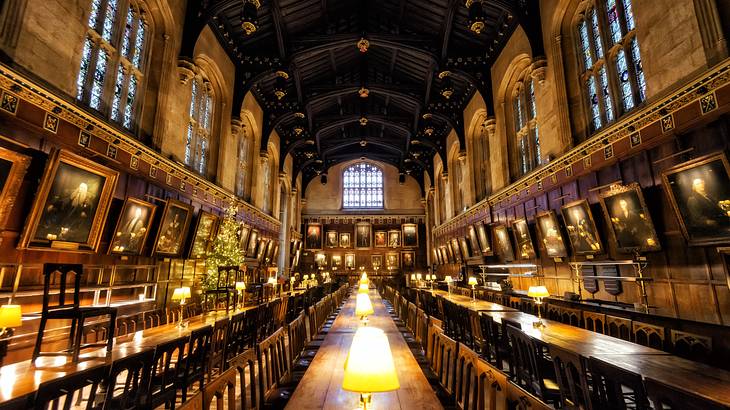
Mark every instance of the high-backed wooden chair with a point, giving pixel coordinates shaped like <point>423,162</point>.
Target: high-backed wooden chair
<point>129,381</point>
<point>594,321</point>
<point>246,366</point>
<point>73,311</point>
<point>529,372</point>
<point>235,339</point>
<point>663,396</point>
<point>648,335</point>
<point>297,331</point>
<point>615,388</point>
<point>618,327</point>
<point>223,293</point>
<point>196,359</point>
<point>520,399</point>
<point>571,376</point>
<point>492,387</point>
<point>218,343</point>
<point>446,351</point>
<point>691,346</point>
<point>466,383</point>
<point>274,367</point>
<point>168,368</point>
<point>78,390</point>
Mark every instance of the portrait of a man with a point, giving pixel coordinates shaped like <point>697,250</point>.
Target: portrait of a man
<point>629,220</point>
<point>699,192</point>
<point>464,247</point>
<point>394,239</point>
<point>376,261</point>
<point>391,260</point>
<point>409,259</point>
<point>173,228</point>
<point>550,235</point>
<point>410,235</point>
<point>345,241</point>
<point>523,239</point>
<point>473,240</point>
<point>132,227</point>
<point>350,260</point>
<point>313,239</point>
<point>381,239</point>
<point>503,243</point>
<point>331,241</point>
<point>483,238</point>
<point>362,235</point>
<point>253,240</point>
<point>581,228</point>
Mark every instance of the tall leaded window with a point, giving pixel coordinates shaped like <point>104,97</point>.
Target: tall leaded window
<point>242,164</point>
<point>362,187</point>
<point>112,60</point>
<point>527,134</point>
<point>197,137</point>
<point>610,63</point>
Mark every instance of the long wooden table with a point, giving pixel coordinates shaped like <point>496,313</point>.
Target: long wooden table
<point>476,304</point>
<point>321,386</point>
<point>682,374</point>
<point>19,381</point>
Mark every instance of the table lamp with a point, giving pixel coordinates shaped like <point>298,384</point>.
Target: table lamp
<point>10,317</point>
<point>538,292</point>
<point>363,288</point>
<point>413,279</point>
<point>364,278</point>
<point>448,281</point>
<point>369,366</point>
<point>363,307</point>
<point>473,282</point>
<point>181,294</point>
<point>418,276</point>
<point>240,287</point>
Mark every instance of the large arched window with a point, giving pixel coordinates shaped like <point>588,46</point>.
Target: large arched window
<point>242,168</point>
<point>611,72</point>
<point>362,187</point>
<point>112,61</point>
<point>527,134</point>
<point>197,138</point>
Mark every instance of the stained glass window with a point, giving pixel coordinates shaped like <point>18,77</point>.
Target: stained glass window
<point>617,71</point>
<point>242,164</point>
<point>111,67</point>
<point>362,187</point>
<point>197,137</point>
<point>526,130</point>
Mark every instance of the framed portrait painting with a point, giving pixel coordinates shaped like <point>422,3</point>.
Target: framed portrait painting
<point>408,259</point>
<point>628,219</point>
<point>394,239</point>
<point>261,249</point>
<point>345,240</point>
<point>331,240</point>
<point>13,167</point>
<point>313,239</point>
<point>523,239</point>
<point>503,243</point>
<point>410,235</point>
<point>244,232</point>
<point>253,241</point>
<point>173,228</point>
<point>449,252</point>
<point>550,235</point>
<point>350,260</point>
<point>376,260</point>
<point>483,238</point>
<point>699,192</point>
<point>133,227</point>
<point>204,233</point>
<point>381,239</point>
<point>392,260</point>
<point>271,246</point>
<point>71,205</point>
<point>473,240</point>
<point>458,257</point>
<point>464,248</point>
<point>336,260</point>
<point>581,228</point>
<point>363,235</point>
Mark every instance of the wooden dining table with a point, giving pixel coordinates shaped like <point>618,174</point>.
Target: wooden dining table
<point>321,385</point>
<point>19,381</point>
<point>471,304</point>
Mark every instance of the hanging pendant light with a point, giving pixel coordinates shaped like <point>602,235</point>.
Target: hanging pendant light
<point>363,121</point>
<point>280,84</point>
<point>476,16</point>
<point>447,86</point>
<point>363,45</point>
<point>249,16</point>
<point>428,127</point>
<point>363,92</point>
<point>298,123</point>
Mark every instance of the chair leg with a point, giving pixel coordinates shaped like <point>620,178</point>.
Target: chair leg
<point>77,340</point>
<point>110,333</point>
<point>39,338</point>
<point>72,335</point>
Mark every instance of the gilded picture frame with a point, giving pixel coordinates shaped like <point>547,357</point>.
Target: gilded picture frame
<point>350,260</point>
<point>392,260</point>
<point>363,235</point>
<point>699,192</point>
<point>173,229</point>
<point>394,239</point>
<point>253,242</point>
<point>132,228</point>
<point>13,167</point>
<point>628,219</point>
<point>410,235</point>
<point>550,234</point>
<point>502,243</point>
<point>523,240</point>
<point>244,232</point>
<point>484,243</point>
<point>380,239</point>
<point>376,260</point>
<point>408,259</point>
<point>458,257</point>
<point>75,192</point>
<point>345,240</point>
<point>582,232</point>
<point>464,248</point>
<point>313,236</point>
<point>206,228</point>
<point>473,240</point>
<point>331,239</point>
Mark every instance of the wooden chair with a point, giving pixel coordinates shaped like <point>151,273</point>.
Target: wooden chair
<point>432,340</point>
<point>663,396</point>
<point>515,302</point>
<point>196,359</point>
<point>246,366</point>
<point>129,381</point>
<point>421,332</point>
<point>223,293</point>
<point>618,327</point>
<point>73,311</point>
<point>446,351</point>
<point>218,344</point>
<point>72,390</point>
<point>615,388</point>
<point>466,384</point>
<point>274,368</point>
<point>571,316</point>
<point>236,337</point>
<point>168,368</point>
<point>492,387</point>
<point>154,318</point>
<point>594,321</point>
<point>529,371</point>
<point>648,335</point>
<point>223,390</point>
<point>520,399</point>
<point>691,346</point>
<point>297,331</point>
<point>411,322</point>
<point>571,377</point>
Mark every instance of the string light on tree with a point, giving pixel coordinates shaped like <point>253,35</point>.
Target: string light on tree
<point>226,250</point>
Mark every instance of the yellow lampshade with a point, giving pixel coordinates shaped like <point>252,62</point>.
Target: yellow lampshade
<point>363,306</point>
<point>240,285</point>
<point>369,367</point>
<point>306,277</point>
<point>10,316</point>
<point>181,293</point>
<point>538,292</point>
<point>418,276</point>
<point>448,279</point>
<point>413,276</point>
<point>363,288</point>
<point>271,281</point>
<point>472,281</point>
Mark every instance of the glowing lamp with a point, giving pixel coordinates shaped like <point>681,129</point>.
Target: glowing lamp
<point>363,307</point>
<point>181,294</point>
<point>369,366</point>
<point>10,316</point>
<point>363,288</point>
<point>240,286</point>
<point>538,292</point>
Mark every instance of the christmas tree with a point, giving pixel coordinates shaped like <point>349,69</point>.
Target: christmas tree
<point>226,248</point>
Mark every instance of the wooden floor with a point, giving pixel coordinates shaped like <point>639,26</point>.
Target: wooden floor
<point>321,386</point>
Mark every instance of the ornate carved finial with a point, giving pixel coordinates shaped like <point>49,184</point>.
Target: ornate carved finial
<point>363,45</point>
<point>539,67</point>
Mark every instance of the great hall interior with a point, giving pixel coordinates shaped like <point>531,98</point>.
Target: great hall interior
<point>388,204</point>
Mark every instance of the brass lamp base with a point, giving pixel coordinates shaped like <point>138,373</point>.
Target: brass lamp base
<point>365,399</point>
